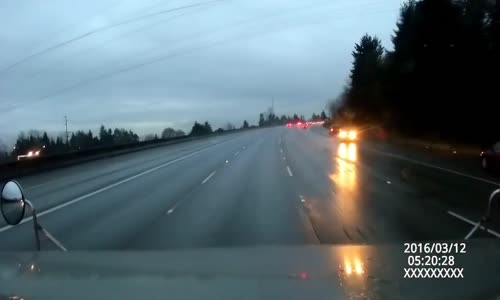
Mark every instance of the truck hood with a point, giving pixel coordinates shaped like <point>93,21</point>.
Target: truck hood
<point>270,272</point>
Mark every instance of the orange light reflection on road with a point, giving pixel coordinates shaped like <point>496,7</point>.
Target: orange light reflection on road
<point>358,266</point>
<point>348,267</point>
<point>352,266</point>
<point>347,151</point>
<point>346,175</point>
<point>346,186</point>
<point>352,259</point>
<point>354,269</point>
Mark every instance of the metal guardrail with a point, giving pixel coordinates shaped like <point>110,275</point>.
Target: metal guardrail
<point>24,167</point>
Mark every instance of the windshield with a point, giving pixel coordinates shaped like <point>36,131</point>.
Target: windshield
<point>166,125</point>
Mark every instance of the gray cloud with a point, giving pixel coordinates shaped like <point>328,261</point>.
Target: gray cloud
<point>221,62</point>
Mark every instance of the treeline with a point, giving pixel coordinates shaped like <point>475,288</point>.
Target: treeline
<point>36,140</point>
<point>78,140</point>
<point>167,133</point>
<point>439,81</point>
<point>205,128</point>
<point>272,120</point>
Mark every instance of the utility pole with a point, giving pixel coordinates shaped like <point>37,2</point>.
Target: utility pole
<point>67,136</point>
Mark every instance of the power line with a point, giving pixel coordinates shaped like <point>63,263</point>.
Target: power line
<point>225,27</point>
<point>101,29</point>
<point>150,62</point>
<point>36,73</point>
<point>59,32</point>
<point>173,55</point>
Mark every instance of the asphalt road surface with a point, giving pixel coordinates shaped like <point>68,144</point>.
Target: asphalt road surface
<point>275,186</point>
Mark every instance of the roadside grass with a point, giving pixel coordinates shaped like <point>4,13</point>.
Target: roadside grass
<point>429,144</point>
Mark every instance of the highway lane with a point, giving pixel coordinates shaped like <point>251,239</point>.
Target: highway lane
<point>267,186</point>
<point>377,197</point>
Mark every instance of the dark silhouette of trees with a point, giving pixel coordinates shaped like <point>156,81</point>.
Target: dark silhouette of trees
<point>323,115</point>
<point>122,136</point>
<point>105,136</point>
<point>78,140</point>
<point>82,140</point>
<point>364,76</point>
<point>110,137</point>
<point>170,133</point>
<point>200,129</point>
<point>245,124</point>
<point>208,127</point>
<point>262,121</point>
<point>26,143</point>
<point>274,120</point>
<point>149,137</point>
<point>439,81</point>
<point>4,153</point>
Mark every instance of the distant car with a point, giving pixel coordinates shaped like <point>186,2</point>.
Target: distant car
<point>490,159</point>
<point>289,125</point>
<point>30,155</point>
<point>334,130</point>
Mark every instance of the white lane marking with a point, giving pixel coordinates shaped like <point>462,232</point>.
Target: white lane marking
<point>237,152</point>
<point>284,158</point>
<point>473,224</point>
<point>388,182</point>
<point>281,150</point>
<point>289,171</point>
<point>434,166</point>
<point>311,234</point>
<point>170,211</point>
<point>208,177</point>
<point>472,231</point>
<point>227,161</point>
<point>302,199</point>
<point>58,207</point>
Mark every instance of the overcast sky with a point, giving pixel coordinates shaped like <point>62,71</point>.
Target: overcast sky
<point>145,65</point>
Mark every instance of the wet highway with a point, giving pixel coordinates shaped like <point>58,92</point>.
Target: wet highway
<point>273,186</point>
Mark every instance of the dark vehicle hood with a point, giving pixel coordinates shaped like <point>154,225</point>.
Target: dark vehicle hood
<point>274,272</point>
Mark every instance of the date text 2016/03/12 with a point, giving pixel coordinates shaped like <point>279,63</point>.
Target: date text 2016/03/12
<point>430,248</point>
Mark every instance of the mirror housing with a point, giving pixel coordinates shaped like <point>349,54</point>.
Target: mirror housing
<point>494,200</point>
<point>12,202</point>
